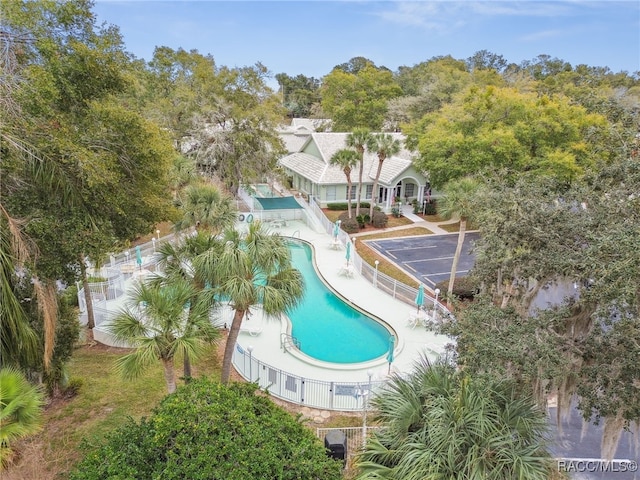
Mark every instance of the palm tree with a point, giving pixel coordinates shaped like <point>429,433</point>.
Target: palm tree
<point>20,411</point>
<point>161,321</point>
<point>18,341</point>
<point>175,260</point>
<point>250,269</point>
<point>358,140</point>
<point>183,172</point>
<point>346,159</point>
<point>458,201</point>
<point>440,423</point>
<point>205,207</point>
<point>385,146</point>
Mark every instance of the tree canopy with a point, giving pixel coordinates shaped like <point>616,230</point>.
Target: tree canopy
<point>81,172</point>
<point>224,118</point>
<point>359,99</point>
<point>557,269</point>
<point>489,129</point>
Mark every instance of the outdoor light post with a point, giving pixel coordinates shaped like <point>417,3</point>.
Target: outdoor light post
<point>158,233</point>
<point>127,254</point>
<point>153,240</point>
<point>250,350</point>
<point>375,274</point>
<point>435,303</point>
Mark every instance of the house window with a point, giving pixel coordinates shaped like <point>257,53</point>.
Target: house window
<point>353,192</point>
<point>369,191</point>
<point>408,189</point>
<point>331,193</point>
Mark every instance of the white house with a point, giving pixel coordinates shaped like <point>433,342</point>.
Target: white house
<point>310,171</point>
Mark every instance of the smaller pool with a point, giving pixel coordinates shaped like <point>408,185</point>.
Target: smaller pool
<point>265,191</point>
<point>327,328</point>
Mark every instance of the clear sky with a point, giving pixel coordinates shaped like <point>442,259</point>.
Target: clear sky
<point>311,37</point>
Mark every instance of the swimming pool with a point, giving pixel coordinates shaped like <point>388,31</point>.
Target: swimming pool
<point>264,190</point>
<point>327,328</point>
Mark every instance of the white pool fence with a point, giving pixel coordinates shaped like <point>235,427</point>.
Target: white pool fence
<point>108,291</point>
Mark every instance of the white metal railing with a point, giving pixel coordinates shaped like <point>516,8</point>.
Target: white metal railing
<point>329,395</point>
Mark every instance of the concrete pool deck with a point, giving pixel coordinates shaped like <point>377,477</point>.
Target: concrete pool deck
<point>412,341</point>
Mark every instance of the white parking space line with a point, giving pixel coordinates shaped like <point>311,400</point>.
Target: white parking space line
<point>410,248</point>
<point>428,259</point>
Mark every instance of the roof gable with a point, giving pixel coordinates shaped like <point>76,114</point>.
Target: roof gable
<point>313,161</point>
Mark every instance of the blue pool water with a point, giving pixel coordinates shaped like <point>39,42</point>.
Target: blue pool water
<point>264,190</point>
<point>327,328</point>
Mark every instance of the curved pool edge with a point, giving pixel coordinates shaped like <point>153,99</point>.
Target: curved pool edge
<point>287,325</point>
<point>285,329</point>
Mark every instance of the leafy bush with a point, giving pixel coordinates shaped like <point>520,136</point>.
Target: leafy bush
<point>431,208</point>
<point>363,219</point>
<point>349,225</point>
<point>70,295</point>
<point>96,279</point>
<point>380,219</point>
<point>343,205</point>
<point>73,386</point>
<point>464,288</point>
<point>208,430</point>
<point>20,411</point>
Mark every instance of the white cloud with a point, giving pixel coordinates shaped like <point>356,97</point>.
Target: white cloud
<point>436,14</point>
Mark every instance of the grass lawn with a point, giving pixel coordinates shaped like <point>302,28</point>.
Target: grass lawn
<point>104,402</point>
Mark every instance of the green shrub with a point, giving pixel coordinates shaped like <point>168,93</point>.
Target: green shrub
<point>464,288</point>
<point>431,208</point>
<point>96,279</point>
<point>213,431</point>
<point>363,219</point>
<point>70,296</point>
<point>73,386</point>
<point>380,219</point>
<point>349,225</point>
<point>339,206</point>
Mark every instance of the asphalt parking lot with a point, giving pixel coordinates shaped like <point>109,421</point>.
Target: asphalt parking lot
<point>429,257</point>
